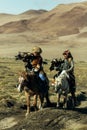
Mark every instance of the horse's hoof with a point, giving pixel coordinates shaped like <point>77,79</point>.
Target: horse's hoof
<point>26,114</point>
<point>57,105</point>
<point>64,107</point>
<point>40,107</point>
<point>36,108</point>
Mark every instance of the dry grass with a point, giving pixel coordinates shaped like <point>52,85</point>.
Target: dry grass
<point>10,68</point>
<point>11,101</point>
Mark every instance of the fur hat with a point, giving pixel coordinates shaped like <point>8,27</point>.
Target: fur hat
<point>37,50</point>
<point>67,53</point>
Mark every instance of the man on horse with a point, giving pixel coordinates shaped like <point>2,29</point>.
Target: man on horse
<point>35,78</point>
<point>68,66</point>
<point>34,64</point>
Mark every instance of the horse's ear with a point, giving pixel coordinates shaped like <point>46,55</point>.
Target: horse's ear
<point>24,74</point>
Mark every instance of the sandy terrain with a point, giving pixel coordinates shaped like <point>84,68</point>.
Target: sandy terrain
<point>11,44</point>
<point>54,31</point>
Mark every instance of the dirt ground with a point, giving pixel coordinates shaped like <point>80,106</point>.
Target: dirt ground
<point>12,117</point>
<point>13,103</point>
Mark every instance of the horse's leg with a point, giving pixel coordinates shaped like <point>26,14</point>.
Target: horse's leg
<point>47,99</point>
<point>73,99</point>
<point>28,102</point>
<point>58,99</point>
<point>41,98</point>
<point>65,101</point>
<point>35,102</point>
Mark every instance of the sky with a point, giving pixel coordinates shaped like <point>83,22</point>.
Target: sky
<point>20,6</point>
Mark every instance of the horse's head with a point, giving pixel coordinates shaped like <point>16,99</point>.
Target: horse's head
<point>58,83</point>
<point>22,56</point>
<point>23,81</point>
<point>19,56</point>
<point>61,81</point>
<point>55,64</point>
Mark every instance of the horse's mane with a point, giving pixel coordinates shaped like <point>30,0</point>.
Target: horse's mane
<point>64,73</point>
<point>62,78</point>
<point>23,74</point>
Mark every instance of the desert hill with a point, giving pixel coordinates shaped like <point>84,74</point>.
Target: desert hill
<point>6,18</point>
<point>66,22</point>
<point>64,27</point>
<point>33,12</point>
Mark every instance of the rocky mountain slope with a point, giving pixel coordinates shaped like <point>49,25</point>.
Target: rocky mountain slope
<point>64,27</point>
<point>62,20</point>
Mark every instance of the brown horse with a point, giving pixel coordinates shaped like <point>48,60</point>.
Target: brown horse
<point>30,83</point>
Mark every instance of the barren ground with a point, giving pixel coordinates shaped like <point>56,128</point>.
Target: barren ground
<point>13,104</point>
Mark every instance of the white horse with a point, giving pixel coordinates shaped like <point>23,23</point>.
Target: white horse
<point>62,87</point>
